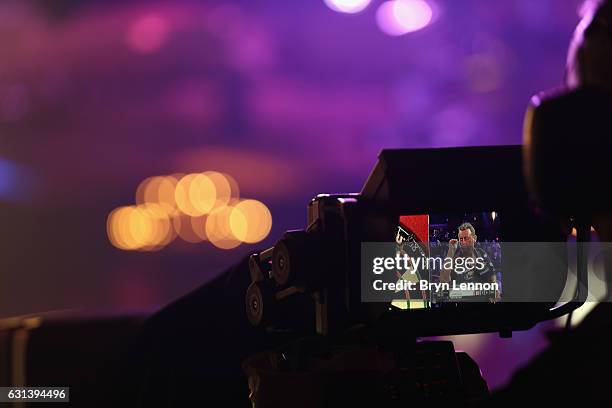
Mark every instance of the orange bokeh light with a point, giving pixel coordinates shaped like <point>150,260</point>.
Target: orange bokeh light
<point>250,221</point>
<point>195,207</point>
<point>183,198</point>
<point>184,228</point>
<point>202,194</point>
<point>218,228</point>
<point>158,190</point>
<point>144,227</point>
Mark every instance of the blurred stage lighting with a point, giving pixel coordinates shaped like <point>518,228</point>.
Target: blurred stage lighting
<point>218,228</point>
<point>184,195</point>
<point>347,6</point>
<point>196,207</point>
<point>148,33</point>
<point>158,190</point>
<point>250,221</point>
<point>190,229</point>
<point>143,227</point>
<point>398,17</point>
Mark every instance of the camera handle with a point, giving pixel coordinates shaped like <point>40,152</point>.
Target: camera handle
<point>581,293</point>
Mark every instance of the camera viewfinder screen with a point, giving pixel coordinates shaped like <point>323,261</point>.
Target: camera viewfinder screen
<point>449,258</point>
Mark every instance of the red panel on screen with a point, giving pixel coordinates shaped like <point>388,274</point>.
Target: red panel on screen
<point>418,225</point>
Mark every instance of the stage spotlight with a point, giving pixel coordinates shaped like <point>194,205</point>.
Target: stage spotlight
<point>347,6</point>
<point>398,17</point>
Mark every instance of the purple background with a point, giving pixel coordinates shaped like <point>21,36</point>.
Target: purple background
<point>289,97</point>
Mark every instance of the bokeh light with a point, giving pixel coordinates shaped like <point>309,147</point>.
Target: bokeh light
<point>141,227</point>
<point>184,228</point>
<point>158,190</point>
<point>162,230</point>
<point>202,194</point>
<point>483,73</point>
<point>183,196</point>
<point>148,33</point>
<point>113,223</point>
<point>347,6</point>
<point>144,227</point>
<point>218,228</point>
<point>234,187</point>
<point>195,207</point>
<point>488,62</point>
<point>250,221</point>
<point>226,188</point>
<point>198,226</point>
<point>398,17</point>
<point>165,194</point>
<point>141,190</point>
<point>199,193</point>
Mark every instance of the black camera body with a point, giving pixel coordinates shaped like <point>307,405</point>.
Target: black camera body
<point>309,280</point>
<point>340,346</point>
